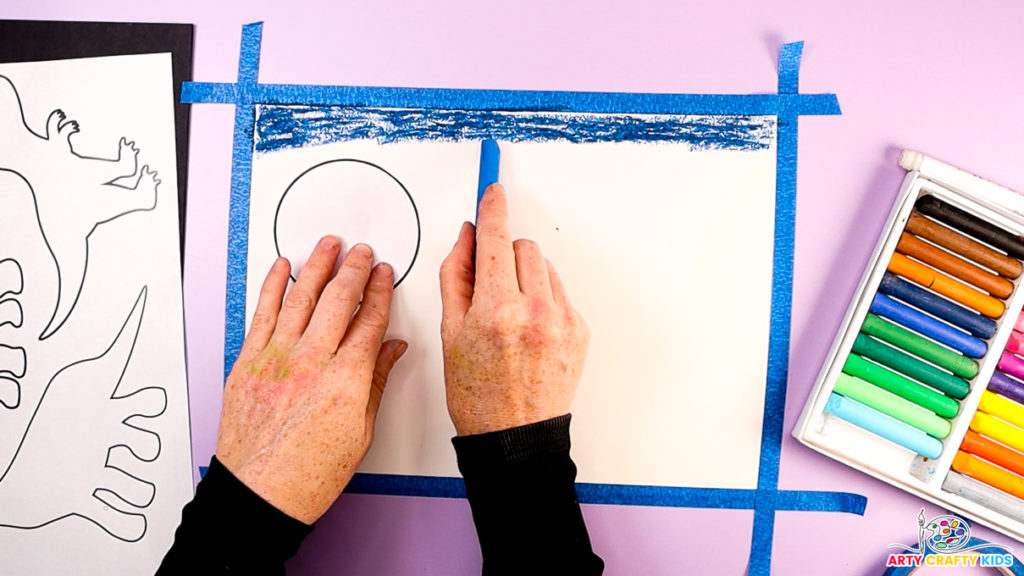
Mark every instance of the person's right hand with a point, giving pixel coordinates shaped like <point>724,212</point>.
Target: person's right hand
<point>513,344</point>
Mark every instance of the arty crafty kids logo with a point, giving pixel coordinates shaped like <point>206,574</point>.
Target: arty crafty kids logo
<point>946,541</point>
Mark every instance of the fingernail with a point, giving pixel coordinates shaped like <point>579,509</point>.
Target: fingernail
<point>400,347</point>
<point>280,263</point>
<point>466,227</point>
<point>361,250</point>
<point>385,269</point>
<point>328,242</point>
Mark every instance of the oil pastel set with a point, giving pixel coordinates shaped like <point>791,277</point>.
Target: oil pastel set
<point>924,385</point>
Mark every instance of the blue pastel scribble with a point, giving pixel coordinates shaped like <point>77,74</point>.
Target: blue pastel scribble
<point>285,127</point>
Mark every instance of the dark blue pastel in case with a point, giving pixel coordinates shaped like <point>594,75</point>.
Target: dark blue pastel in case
<point>930,327</point>
<point>936,305</point>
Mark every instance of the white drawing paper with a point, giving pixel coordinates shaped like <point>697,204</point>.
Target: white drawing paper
<point>95,460</point>
<point>665,248</point>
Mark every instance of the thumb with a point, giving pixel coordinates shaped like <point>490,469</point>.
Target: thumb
<point>389,354</point>
<point>458,279</point>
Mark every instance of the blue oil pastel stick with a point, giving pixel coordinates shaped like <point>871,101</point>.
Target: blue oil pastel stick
<point>936,305</point>
<point>887,427</point>
<point>490,158</point>
<point>930,327</point>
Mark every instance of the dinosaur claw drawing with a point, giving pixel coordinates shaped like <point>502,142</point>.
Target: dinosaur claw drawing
<point>53,123</point>
<point>150,177</point>
<point>11,278</point>
<point>146,403</point>
<point>12,281</point>
<point>12,361</point>
<point>143,444</point>
<point>71,126</point>
<point>10,393</point>
<point>11,313</point>
<point>126,487</point>
<point>127,150</point>
<point>13,364</point>
<point>103,512</point>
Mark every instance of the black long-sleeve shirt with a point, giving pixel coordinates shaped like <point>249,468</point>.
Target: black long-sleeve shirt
<point>228,529</point>
<point>520,486</point>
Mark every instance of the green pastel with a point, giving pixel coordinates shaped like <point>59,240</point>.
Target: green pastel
<point>901,386</point>
<point>907,365</point>
<point>919,346</point>
<point>892,405</point>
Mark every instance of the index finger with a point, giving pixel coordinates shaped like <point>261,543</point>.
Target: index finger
<point>495,258</point>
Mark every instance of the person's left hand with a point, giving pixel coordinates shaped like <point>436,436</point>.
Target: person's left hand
<point>301,400</point>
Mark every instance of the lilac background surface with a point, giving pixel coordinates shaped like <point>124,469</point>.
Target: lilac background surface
<point>942,77</point>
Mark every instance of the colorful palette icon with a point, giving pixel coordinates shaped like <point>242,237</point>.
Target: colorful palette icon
<point>949,533</point>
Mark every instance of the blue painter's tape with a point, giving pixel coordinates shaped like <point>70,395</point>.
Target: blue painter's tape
<point>203,470</point>
<point>249,55</point>
<point>781,306</point>
<point>620,494</point>
<point>286,127</point>
<point>490,159</point>
<point>628,495</point>
<point>804,500</point>
<point>241,179</point>
<point>529,101</point>
<point>789,67</point>
<point>208,93</point>
<point>977,546</point>
<point>736,499</point>
<point>390,484</point>
<point>238,238</point>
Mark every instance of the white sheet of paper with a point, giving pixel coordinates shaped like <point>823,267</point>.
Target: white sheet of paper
<point>95,456</point>
<point>665,250</point>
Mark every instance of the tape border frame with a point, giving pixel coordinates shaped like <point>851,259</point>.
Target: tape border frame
<point>787,105</point>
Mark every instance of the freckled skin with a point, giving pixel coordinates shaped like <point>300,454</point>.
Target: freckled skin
<point>514,346</point>
<point>298,411</point>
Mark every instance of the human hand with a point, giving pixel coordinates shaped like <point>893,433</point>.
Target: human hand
<point>513,344</point>
<point>301,400</point>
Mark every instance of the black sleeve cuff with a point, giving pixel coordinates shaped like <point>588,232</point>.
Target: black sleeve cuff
<point>521,488</point>
<point>520,445</point>
<point>229,529</point>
